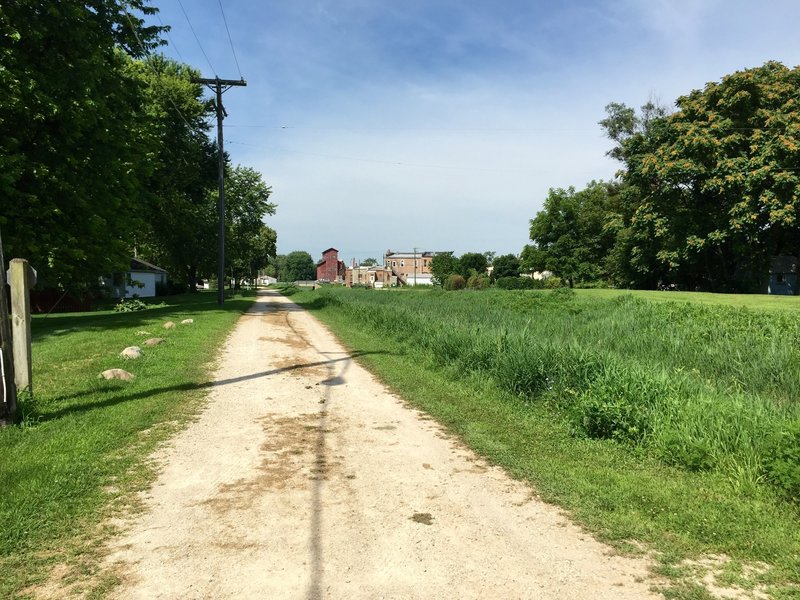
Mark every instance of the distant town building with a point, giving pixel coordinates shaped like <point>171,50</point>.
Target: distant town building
<point>410,268</point>
<point>330,268</point>
<point>376,276</point>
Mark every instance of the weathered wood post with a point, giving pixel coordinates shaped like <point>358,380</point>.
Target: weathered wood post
<point>22,278</point>
<point>8,389</point>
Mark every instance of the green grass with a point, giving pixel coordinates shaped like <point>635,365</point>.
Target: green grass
<point>80,451</point>
<point>650,421</point>
<point>752,301</point>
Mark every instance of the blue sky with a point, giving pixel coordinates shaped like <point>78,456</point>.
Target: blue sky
<point>441,124</point>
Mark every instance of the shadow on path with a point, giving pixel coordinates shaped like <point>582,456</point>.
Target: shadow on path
<point>120,398</point>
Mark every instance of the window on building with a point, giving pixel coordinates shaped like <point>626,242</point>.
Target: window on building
<point>394,263</point>
<point>402,264</point>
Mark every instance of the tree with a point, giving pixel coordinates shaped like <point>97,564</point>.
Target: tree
<point>443,264</point>
<point>298,266</point>
<point>713,190</point>
<point>71,170</point>
<point>248,242</point>
<point>570,234</point>
<point>181,208</point>
<point>506,265</point>
<point>472,261</point>
<point>369,262</point>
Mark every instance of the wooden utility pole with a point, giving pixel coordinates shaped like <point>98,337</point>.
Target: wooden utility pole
<point>22,278</point>
<point>8,404</point>
<point>217,86</point>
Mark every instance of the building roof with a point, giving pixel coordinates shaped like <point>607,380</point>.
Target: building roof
<point>137,264</point>
<point>404,254</point>
<point>324,252</point>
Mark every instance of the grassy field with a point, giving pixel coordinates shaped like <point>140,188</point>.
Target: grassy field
<point>80,452</point>
<point>673,423</point>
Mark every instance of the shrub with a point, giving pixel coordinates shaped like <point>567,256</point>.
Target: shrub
<point>553,282</point>
<point>563,293</point>
<point>782,465</point>
<point>161,288</point>
<point>516,283</point>
<point>477,282</point>
<point>454,282</point>
<point>129,305</point>
<point>618,404</point>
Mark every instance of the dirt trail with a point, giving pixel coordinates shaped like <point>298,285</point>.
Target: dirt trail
<point>306,478</point>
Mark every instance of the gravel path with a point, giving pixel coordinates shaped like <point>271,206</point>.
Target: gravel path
<point>306,478</point>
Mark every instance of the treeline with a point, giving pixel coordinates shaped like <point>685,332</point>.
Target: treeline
<point>707,195</point>
<point>105,151</point>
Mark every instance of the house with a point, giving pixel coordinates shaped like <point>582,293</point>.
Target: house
<point>140,280</point>
<point>783,276</point>
<point>330,268</point>
<point>410,268</point>
<point>375,276</point>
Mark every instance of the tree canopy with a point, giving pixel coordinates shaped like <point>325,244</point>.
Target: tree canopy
<point>105,152</point>
<point>707,195</point>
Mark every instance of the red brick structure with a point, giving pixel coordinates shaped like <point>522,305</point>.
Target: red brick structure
<point>330,268</point>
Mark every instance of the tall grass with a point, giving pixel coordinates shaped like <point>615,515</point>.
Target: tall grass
<point>701,387</point>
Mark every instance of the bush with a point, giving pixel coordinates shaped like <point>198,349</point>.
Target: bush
<point>782,465</point>
<point>454,282</point>
<point>132,305</point>
<point>618,404</point>
<point>161,288</point>
<point>563,293</point>
<point>516,283</point>
<point>477,282</point>
<point>553,282</point>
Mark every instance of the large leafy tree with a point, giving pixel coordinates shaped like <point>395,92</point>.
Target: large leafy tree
<point>70,172</point>
<point>248,244</point>
<point>472,262</point>
<point>570,234</point>
<point>506,265</point>
<point>297,266</point>
<point>443,264</point>
<point>713,190</point>
<point>180,208</point>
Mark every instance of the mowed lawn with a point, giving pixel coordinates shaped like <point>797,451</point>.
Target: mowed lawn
<point>665,423</point>
<point>81,450</point>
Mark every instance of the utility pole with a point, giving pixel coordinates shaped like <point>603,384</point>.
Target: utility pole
<point>415,267</point>
<point>8,388</point>
<point>216,85</point>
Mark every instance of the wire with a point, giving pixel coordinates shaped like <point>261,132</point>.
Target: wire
<point>197,38</point>
<point>224,20</point>
<point>380,162</point>
<point>169,37</point>
<point>152,66</point>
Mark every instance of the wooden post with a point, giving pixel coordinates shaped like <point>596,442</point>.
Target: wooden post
<point>21,281</point>
<point>8,400</point>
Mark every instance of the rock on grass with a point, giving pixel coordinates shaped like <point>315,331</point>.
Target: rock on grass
<point>131,352</point>
<point>117,374</point>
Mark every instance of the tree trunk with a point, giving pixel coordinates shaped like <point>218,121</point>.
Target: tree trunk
<point>191,275</point>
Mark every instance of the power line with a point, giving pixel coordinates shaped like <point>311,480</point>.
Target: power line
<point>169,37</point>
<point>196,38</point>
<point>380,162</point>
<point>224,20</point>
<point>152,66</point>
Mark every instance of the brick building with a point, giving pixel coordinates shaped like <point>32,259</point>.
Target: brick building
<point>410,268</point>
<point>330,268</point>
<point>375,277</point>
